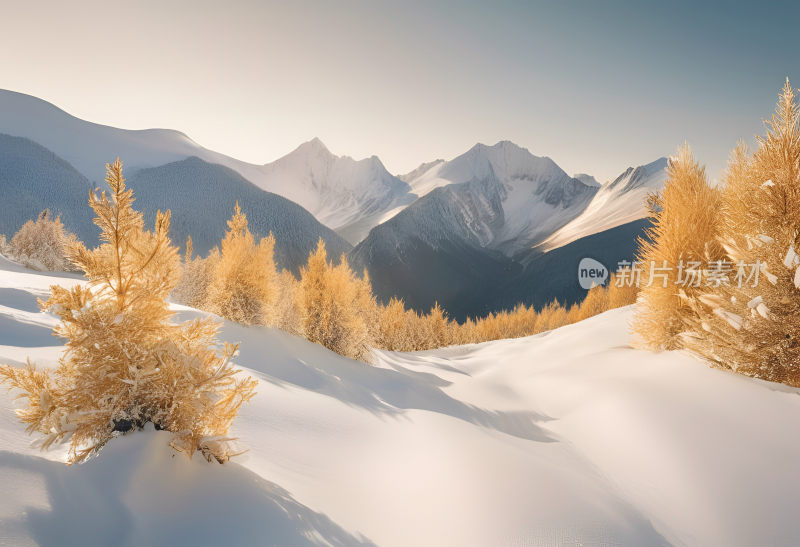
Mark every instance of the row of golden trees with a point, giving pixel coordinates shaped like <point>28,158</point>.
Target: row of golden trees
<point>332,306</point>
<point>742,312</point>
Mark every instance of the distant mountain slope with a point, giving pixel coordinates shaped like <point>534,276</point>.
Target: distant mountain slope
<point>554,275</point>
<point>588,180</point>
<point>419,171</point>
<point>345,194</point>
<point>32,179</point>
<point>202,196</point>
<point>469,282</point>
<point>617,202</point>
<point>89,146</point>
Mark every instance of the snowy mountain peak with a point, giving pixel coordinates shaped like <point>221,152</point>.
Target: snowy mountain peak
<point>314,147</point>
<point>345,194</point>
<point>504,161</point>
<point>648,175</point>
<point>616,203</point>
<point>499,197</point>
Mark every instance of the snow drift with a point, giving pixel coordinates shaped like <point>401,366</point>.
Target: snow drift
<point>569,436</point>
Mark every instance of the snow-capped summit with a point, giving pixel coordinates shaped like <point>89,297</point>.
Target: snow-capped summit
<point>348,195</point>
<point>535,196</point>
<point>505,160</point>
<point>618,202</point>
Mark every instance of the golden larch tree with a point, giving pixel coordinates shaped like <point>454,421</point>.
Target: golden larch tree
<point>681,242</point>
<point>331,296</point>
<point>752,323</point>
<point>244,282</point>
<point>126,363</point>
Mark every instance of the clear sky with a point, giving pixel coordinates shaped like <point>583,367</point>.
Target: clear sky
<point>595,85</point>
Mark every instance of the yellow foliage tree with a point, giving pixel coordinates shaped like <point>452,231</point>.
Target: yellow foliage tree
<point>330,297</point>
<point>684,234</point>
<point>198,272</point>
<point>287,309</point>
<point>125,363</point>
<point>752,323</point>
<point>244,282</point>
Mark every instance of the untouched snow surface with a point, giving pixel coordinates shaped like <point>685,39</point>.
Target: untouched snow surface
<point>569,437</point>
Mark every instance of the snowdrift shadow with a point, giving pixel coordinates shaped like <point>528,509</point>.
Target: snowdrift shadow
<point>139,492</point>
<point>18,299</point>
<point>25,335</point>
<point>285,359</point>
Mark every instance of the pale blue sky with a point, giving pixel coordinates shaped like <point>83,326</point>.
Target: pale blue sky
<point>597,86</point>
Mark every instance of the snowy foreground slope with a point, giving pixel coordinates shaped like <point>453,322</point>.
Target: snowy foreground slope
<point>562,438</point>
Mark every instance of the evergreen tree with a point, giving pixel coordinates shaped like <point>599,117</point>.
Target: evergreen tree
<point>330,297</point>
<point>287,310</point>
<point>125,363</point>
<point>198,272</point>
<point>243,286</point>
<point>752,323</point>
<point>685,227</point>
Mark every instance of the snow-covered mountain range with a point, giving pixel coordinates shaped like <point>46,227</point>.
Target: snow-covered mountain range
<point>346,195</point>
<point>445,229</point>
<point>484,220</point>
<point>500,197</point>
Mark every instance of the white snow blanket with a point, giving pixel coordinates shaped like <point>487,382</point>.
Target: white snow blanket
<point>565,438</point>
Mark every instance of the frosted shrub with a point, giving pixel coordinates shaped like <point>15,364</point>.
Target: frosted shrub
<point>42,244</point>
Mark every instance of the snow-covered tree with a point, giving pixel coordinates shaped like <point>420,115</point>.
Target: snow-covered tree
<point>126,363</point>
<point>42,244</point>
<point>751,324</point>
<point>244,281</point>
<point>198,272</point>
<point>685,220</point>
<point>287,309</point>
